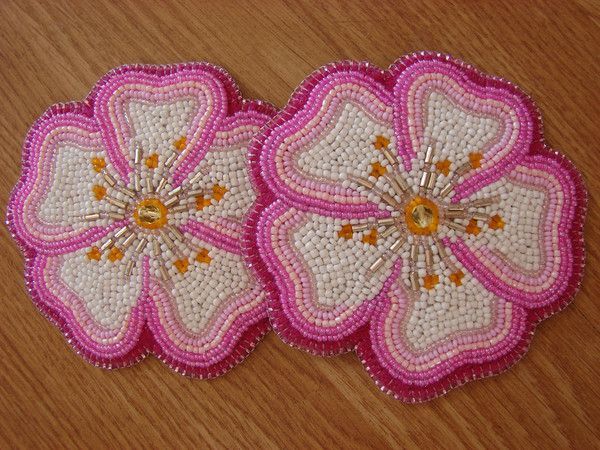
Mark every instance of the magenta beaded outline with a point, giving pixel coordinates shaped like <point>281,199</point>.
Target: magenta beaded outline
<point>143,339</point>
<point>360,340</point>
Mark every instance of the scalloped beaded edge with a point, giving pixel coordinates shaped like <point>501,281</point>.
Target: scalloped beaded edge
<point>359,341</point>
<point>146,344</point>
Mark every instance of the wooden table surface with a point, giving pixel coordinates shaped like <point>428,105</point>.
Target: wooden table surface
<point>282,397</point>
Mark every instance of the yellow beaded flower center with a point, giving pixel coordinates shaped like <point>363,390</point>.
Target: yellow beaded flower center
<point>150,213</point>
<point>422,216</point>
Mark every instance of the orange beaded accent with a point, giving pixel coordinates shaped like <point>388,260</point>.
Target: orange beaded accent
<point>152,161</point>
<point>181,265</point>
<point>203,256</point>
<point>381,142</point>
<point>99,191</point>
<point>370,238</point>
<point>94,254</point>
<point>377,170</point>
<point>473,228</point>
<point>475,159</point>
<point>346,232</point>
<point>180,143</point>
<point>115,254</point>
<point>202,202</point>
<point>457,277</point>
<point>430,281</point>
<point>443,166</point>
<point>219,192</point>
<point>496,222</point>
<point>98,164</point>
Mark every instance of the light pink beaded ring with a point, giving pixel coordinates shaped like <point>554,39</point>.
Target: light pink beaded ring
<point>130,213</point>
<point>416,216</point>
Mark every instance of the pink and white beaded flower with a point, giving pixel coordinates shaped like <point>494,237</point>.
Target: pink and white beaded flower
<point>416,216</point>
<point>130,213</point>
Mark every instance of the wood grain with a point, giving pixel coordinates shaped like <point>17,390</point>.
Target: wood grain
<point>283,397</point>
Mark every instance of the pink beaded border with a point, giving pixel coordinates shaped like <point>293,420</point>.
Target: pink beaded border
<point>146,343</point>
<point>360,340</point>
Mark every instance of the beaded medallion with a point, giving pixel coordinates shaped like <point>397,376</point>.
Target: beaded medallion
<point>416,216</point>
<point>130,210</point>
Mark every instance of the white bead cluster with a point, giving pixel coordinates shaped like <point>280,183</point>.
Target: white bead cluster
<point>521,207</point>
<point>224,277</point>
<point>69,194</point>
<point>108,296</point>
<point>227,167</point>
<point>449,309</point>
<point>340,267</point>
<point>346,147</point>
<point>155,128</point>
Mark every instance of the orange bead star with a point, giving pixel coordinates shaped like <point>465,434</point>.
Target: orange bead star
<point>381,142</point>
<point>473,228</point>
<point>475,159</point>
<point>203,256</point>
<point>99,192</point>
<point>443,166</point>
<point>94,254</point>
<point>457,277</point>
<point>377,170</point>
<point>115,254</point>
<point>180,143</point>
<point>181,265</point>
<point>219,192</point>
<point>370,238</point>
<point>496,222</point>
<point>98,164</point>
<point>202,202</point>
<point>430,281</point>
<point>152,161</point>
<point>346,232</point>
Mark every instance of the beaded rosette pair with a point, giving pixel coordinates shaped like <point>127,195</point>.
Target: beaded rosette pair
<point>414,215</point>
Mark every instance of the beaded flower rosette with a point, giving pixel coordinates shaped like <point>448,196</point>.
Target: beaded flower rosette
<point>416,216</point>
<point>130,210</point>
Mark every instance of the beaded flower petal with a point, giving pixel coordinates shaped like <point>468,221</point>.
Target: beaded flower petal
<point>416,216</point>
<point>130,212</point>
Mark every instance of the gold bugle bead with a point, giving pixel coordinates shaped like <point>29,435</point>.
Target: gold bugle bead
<point>121,232</point>
<point>128,240</point>
<point>457,226</point>
<point>109,243</point>
<point>115,202</point>
<point>414,252</point>
<point>161,184</point>
<point>389,231</point>
<point>377,264</point>
<point>171,201</point>
<point>171,159</point>
<point>174,191</point>
<point>432,180</point>
<point>398,244</point>
<point>129,268</point>
<point>141,245</point>
<point>446,190</point>
<point>92,216</point>
<point>109,180</point>
<point>414,280</point>
<point>429,154</point>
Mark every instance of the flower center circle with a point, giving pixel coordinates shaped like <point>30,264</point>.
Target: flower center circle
<point>150,213</point>
<point>422,216</point>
